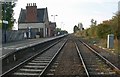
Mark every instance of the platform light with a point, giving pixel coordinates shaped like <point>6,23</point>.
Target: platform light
<point>54,17</point>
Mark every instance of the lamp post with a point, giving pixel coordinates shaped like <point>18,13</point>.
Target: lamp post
<point>54,17</point>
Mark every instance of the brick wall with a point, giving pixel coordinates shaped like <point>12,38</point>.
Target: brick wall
<point>31,12</point>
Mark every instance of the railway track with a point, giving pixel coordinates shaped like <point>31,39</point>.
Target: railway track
<point>68,62</point>
<point>37,64</point>
<point>94,64</point>
<point>69,57</point>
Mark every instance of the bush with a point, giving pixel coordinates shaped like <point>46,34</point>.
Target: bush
<point>0,25</point>
<point>103,30</point>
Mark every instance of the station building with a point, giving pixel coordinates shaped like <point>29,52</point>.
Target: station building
<point>35,19</point>
<point>52,29</point>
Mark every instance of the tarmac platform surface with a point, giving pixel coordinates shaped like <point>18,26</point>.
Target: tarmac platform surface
<point>14,46</point>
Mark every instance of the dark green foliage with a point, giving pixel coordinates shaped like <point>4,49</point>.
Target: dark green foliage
<point>111,26</point>
<point>93,23</point>
<point>116,25</point>
<point>58,29</point>
<point>103,30</point>
<point>0,25</point>
<point>75,29</point>
<point>7,14</point>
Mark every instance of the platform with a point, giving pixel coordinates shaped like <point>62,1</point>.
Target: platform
<point>9,48</point>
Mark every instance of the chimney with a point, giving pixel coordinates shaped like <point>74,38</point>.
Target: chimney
<point>31,12</point>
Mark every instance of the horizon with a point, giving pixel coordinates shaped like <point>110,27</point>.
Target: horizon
<point>74,12</point>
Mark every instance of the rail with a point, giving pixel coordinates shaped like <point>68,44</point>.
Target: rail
<point>27,60</point>
<point>117,70</point>
<point>81,58</point>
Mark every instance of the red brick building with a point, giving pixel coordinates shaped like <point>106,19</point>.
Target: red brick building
<point>52,29</point>
<point>36,19</point>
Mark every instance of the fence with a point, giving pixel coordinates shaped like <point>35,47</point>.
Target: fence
<point>12,35</point>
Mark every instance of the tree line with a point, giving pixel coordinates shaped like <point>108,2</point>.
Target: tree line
<point>111,26</point>
<point>7,14</point>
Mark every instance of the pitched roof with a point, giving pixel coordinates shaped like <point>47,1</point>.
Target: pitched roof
<point>40,15</point>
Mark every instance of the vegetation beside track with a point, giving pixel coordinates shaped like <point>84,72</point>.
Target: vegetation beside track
<point>97,33</point>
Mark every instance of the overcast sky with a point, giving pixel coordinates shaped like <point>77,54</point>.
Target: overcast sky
<point>71,12</point>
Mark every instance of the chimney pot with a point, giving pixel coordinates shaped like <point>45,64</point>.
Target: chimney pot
<point>31,12</point>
